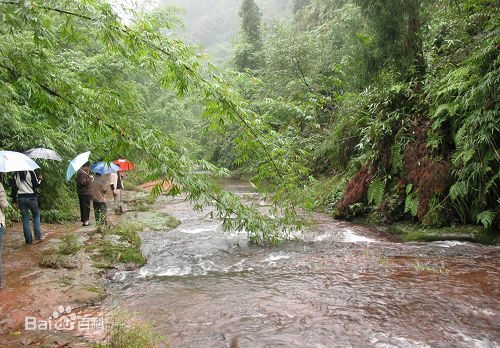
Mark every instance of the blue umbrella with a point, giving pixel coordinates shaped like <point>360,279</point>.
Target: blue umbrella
<point>104,168</point>
<point>76,163</point>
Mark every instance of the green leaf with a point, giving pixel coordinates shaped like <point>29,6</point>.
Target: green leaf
<point>376,191</point>
<point>486,218</point>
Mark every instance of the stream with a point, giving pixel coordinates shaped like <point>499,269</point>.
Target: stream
<point>338,285</point>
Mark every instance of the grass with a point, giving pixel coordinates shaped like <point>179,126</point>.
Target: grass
<point>126,333</point>
<point>467,233</point>
<point>66,280</point>
<point>417,266</point>
<point>63,256</point>
<point>58,261</point>
<point>99,290</point>
<point>155,221</point>
<point>411,233</point>
<point>142,207</point>
<point>107,253</point>
<point>59,215</point>
<point>142,202</point>
<point>70,244</point>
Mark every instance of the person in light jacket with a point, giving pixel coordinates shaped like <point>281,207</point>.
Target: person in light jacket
<point>3,205</point>
<point>117,187</point>
<point>98,188</point>
<point>24,185</point>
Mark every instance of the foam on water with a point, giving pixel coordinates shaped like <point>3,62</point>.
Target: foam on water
<point>449,243</point>
<point>322,237</point>
<point>195,230</point>
<point>273,258</point>
<point>349,236</point>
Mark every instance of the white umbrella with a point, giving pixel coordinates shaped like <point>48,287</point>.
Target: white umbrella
<point>76,163</point>
<point>43,153</point>
<point>11,161</point>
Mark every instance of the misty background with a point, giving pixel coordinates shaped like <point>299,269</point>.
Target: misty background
<point>213,24</point>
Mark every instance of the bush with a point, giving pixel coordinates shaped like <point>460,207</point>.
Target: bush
<point>128,249</point>
<point>70,244</point>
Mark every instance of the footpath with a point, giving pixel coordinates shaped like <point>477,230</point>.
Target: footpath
<point>64,276</point>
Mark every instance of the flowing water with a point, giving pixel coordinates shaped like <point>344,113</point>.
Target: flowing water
<point>339,285</point>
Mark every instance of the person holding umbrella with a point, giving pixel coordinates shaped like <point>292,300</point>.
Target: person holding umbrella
<point>83,187</point>
<point>80,166</point>
<point>117,183</point>
<point>3,205</point>
<point>24,190</point>
<point>117,187</point>
<point>99,187</point>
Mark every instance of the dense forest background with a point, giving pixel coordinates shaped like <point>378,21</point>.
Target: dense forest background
<point>391,107</point>
<point>213,24</point>
<point>384,108</point>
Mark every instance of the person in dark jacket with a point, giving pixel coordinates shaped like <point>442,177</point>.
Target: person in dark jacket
<point>24,185</point>
<point>83,181</point>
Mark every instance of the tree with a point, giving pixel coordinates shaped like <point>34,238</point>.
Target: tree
<point>246,51</point>
<point>67,73</point>
<point>299,5</point>
<point>397,25</point>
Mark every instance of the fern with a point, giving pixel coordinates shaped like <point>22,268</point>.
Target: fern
<point>376,192</point>
<point>486,218</point>
<point>411,201</point>
<point>396,157</point>
<point>459,190</point>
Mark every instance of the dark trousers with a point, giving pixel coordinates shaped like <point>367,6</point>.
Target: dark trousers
<point>100,212</point>
<point>84,207</point>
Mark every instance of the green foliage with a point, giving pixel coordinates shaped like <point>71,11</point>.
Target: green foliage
<point>436,215</point>
<point>411,201</point>
<point>299,5</point>
<point>466,102</point>
<point>108,252</point>
<point>70,244</point>
<point>246,52</point>
<point>322,194</point>
<point>127,333</point>
<point>396,158</point>
<point>62,214</point>
<point>348,84</point>
<point>12,214</point>
<point>486,218</point>
<point>58,261</point>
<point>355,210</point>
<point>344,86</point>
<point>396,29</point>
<point>72,78</point>
<point>376,191</point>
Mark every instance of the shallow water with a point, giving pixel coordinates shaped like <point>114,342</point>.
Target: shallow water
<point>340,285</point>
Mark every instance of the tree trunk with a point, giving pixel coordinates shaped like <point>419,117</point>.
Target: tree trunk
<point>414,41</point>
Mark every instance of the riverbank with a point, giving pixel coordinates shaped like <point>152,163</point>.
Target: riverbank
<point>411,232</point>
<point>71,268</point>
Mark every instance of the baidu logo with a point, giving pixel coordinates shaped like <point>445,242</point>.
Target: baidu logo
<point>63,319</point>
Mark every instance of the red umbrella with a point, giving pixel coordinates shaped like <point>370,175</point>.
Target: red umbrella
<point>124,164</point>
